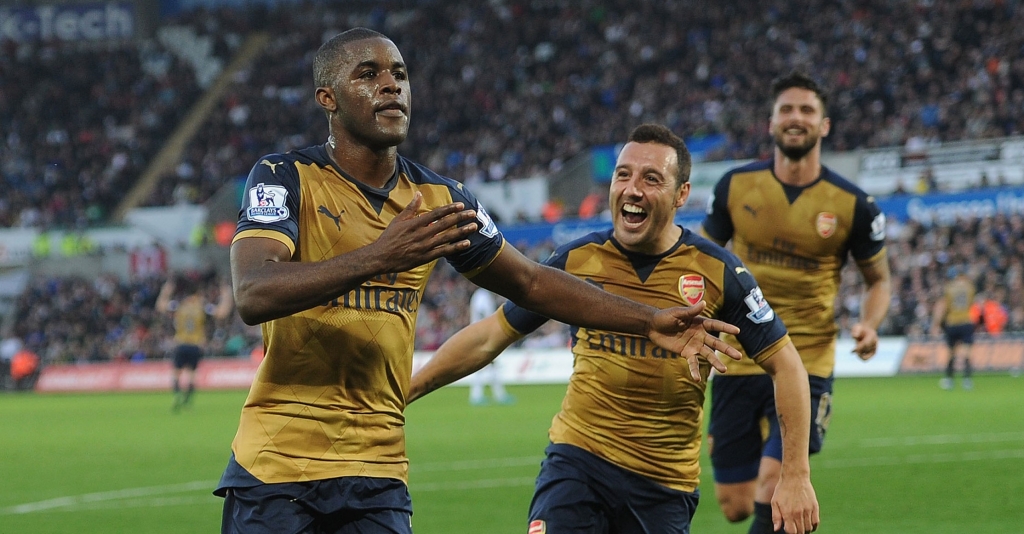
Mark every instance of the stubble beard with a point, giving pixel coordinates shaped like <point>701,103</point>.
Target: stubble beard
<point>795,152</point>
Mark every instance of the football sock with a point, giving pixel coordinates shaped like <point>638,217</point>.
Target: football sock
<point>188,394</point>
<point>967,368</point>
<point>762,523</point>
<point>951,366</point>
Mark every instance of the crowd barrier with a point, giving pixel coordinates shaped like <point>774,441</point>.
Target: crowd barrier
<point>896,355</point>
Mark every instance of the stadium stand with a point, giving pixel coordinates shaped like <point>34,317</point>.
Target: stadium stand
<point>110,319</point>
<point>504,91</point>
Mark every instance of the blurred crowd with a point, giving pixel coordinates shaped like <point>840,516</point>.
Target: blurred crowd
<point>65,320</point>
<point>990,249</point>
<point>505,89</point>
<point>80,319</point>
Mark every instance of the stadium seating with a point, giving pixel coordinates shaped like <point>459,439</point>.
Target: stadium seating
<point>502,91</point>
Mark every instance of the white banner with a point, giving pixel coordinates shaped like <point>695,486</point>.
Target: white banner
<point>554,366</point>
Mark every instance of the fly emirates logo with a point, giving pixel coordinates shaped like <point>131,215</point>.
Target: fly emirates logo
<point>375,296</point>
<point>623,345</point>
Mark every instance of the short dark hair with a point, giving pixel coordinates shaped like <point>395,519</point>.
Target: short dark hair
<point>325,63</point>
<point>803,81</point>
<point>656,133</point>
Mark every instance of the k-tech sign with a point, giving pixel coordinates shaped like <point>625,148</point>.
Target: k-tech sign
<point>78,22</point>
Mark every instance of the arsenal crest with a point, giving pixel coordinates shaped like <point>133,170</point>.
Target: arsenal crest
<point>691,288</point>
<point>826,224</point>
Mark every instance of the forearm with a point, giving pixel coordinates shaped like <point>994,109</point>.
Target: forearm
<point>793,405</point>
<point>468,351</point>
<point>567,299</point>
<point>268,289</point>
<point>875,303</point>
<point>163,300</point>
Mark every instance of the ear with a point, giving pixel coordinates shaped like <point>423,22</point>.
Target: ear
<point>826,126</point>
<point>325,99</point>
<point>682,195</point>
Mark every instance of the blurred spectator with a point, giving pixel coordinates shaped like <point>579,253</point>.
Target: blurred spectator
<point>24,369</point>
<point>514,89</point>
<point>990,313</point>
<point>926,182</point>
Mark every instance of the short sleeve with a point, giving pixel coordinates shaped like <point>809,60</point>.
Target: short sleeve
<point>271,199</point>
<point>717,221</point>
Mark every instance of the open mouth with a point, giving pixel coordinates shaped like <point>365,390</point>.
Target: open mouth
<point>633,214</point>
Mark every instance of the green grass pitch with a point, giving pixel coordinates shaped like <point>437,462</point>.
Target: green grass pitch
<point>902,456</point>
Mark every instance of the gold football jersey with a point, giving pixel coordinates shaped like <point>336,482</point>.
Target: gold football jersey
<point>795,240</point>
<point>959,295</point>
<point>628,400</point>
<point>190,321</point>
<point>328,398</point>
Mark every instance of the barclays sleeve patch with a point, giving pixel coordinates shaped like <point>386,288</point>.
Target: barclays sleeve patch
<point>487,226</point>
<point>266,204</point>
<point>760,310</point>
<point>878,227</point>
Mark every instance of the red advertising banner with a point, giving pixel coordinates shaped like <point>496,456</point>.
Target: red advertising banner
<point>993,354</point>
<point>143,376</point>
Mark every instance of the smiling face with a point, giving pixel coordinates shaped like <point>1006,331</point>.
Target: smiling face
<point>369,101</point>
<point>798,122</point>
<point>644,196</point>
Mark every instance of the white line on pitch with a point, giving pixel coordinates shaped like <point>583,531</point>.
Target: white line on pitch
<point>116,495</point>
<point>476,464</point>
<point>152,502</point>
<point>943,439</point>
<point>472,484</point>
<point>972,456</point>
<point>133,497</point>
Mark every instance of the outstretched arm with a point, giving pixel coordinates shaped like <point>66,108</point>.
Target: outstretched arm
<point>794,504</point>
<point>874,306</point>
<point>225,302</point>
<point>938,314</point>
<point>163,300</point>
<point>468,351</point>
<point>567,299</point>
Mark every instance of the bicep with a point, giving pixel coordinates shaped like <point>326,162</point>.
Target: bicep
<point>489,336</point>
<point>250,255</point>
<point>510,275</point>
<point>876,270</point>
<point>785,359</point>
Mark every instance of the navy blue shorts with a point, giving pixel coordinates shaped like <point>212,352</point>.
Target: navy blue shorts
<point>580,493</point>
<point>959,333</point>
<point>346,505</point>
<point>744,425</point>
<point>187,356</point>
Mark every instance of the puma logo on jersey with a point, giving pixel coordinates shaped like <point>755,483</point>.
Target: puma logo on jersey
<point>273,166</point>
<point>336,218</point>
<point>741,270</point>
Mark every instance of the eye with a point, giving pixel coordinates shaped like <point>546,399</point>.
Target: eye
<point>368,74</point>
<point>401,75</point>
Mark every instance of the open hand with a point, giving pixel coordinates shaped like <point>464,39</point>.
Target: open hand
<point>685,332</point>
<point>412,239</point>
<point>795,506</point>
